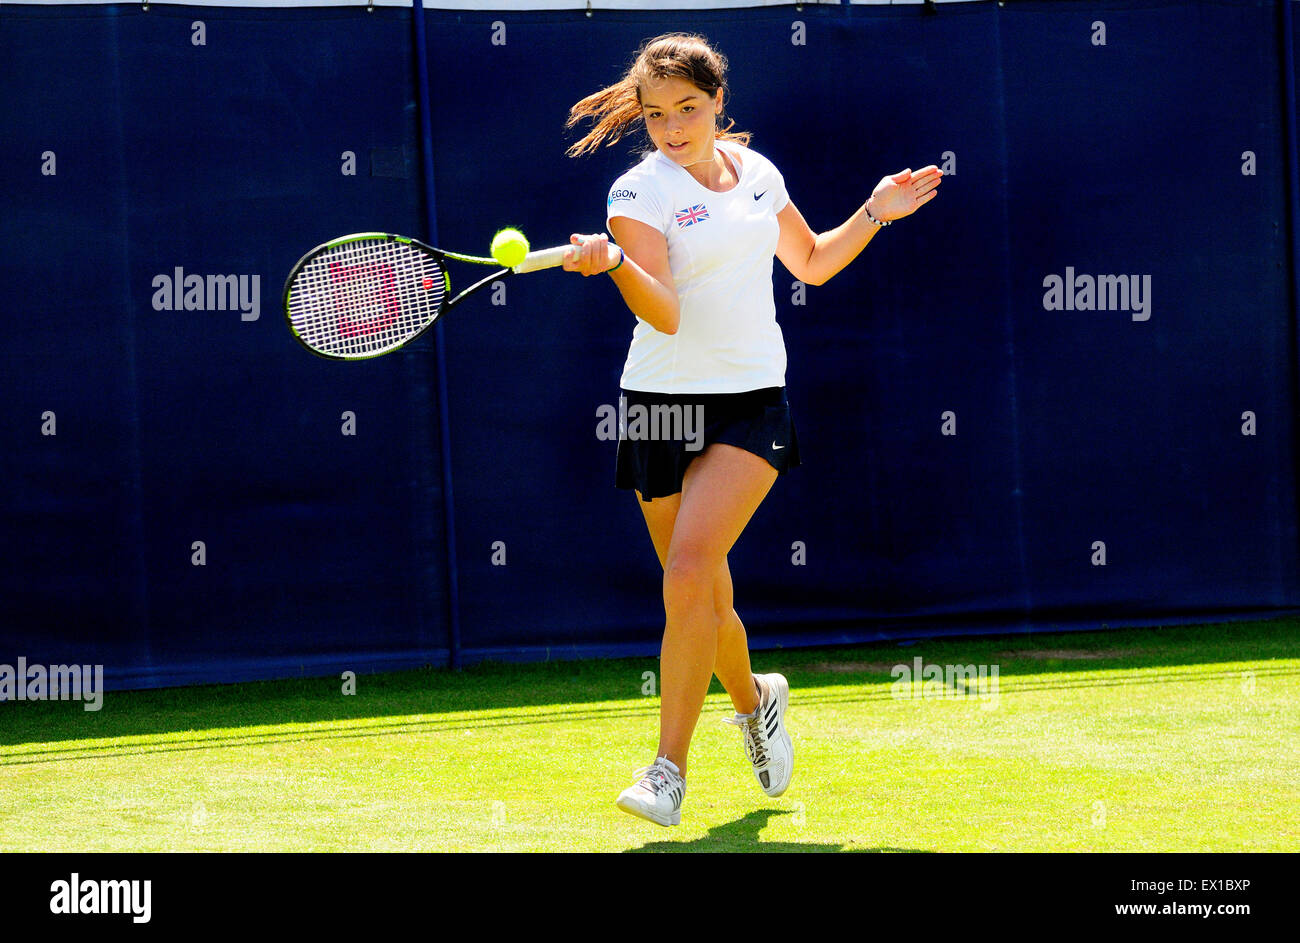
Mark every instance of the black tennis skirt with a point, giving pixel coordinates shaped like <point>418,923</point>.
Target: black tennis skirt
<point>660,433</point>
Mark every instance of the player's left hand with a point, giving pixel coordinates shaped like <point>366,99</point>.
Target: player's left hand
<point>591,257</point>
<point>904,193</point>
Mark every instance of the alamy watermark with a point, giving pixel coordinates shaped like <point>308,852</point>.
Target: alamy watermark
<point>182,292</point>
<point>78,895</point>
<point>919,680</point>
<point>1075,292</point>
<point>24,682</point>
<point>659,422</point>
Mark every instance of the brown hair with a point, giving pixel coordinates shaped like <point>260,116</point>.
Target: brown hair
<point>617,108</point>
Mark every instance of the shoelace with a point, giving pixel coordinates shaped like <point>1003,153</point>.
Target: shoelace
<point>755,736</point>
<point>654,778</point>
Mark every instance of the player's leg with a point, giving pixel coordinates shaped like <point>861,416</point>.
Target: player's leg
<point>660,515</point>
<point>760,701</point>
<point>731,663</point>
<point>722,489</point>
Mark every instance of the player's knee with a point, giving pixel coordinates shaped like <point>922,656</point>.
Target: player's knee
<point>688,583</point>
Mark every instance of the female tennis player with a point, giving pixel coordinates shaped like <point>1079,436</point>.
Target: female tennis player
<point>697,222</point>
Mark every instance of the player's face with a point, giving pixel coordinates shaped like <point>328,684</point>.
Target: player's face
<point>680,119</point>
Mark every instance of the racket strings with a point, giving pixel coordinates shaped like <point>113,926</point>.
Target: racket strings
<point>365,297</point>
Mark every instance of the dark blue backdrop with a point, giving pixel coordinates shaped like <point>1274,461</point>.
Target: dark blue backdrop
<point>326,551</point>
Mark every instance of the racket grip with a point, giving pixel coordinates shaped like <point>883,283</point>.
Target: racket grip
<point>550,258</point>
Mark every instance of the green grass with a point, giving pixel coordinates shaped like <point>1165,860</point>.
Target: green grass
<point>1174,739</point>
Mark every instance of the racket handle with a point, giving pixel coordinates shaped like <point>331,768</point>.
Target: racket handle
<point>550,258</point>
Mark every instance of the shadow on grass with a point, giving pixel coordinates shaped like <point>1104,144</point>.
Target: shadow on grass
<point>498,694</point>
<point>742,835</point>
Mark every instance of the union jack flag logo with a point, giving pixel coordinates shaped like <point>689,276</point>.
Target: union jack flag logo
<point>691,216</point>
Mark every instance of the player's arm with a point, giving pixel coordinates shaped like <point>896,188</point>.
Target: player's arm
<point>814,257</point>
<point>644,278</point>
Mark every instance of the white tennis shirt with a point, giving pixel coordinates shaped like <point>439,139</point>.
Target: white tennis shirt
<point>720,250</point>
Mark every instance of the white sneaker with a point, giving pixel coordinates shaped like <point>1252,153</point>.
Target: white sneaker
<point>767,744</point>
<point>658,794</point>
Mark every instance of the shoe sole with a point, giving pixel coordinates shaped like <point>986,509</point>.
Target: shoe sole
<point>633,808</point>
<point>783,698</point>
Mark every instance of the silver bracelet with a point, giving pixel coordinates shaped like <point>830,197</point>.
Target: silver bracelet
<point>872,218</point>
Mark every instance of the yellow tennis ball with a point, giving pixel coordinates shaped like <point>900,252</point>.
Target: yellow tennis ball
<point>509,247</point>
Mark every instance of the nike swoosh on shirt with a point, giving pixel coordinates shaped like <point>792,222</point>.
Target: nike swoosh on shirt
<point>776,447</point>
<point>759,196</point>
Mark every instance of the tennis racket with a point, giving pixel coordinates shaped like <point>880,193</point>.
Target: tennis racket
<point>371,293</point>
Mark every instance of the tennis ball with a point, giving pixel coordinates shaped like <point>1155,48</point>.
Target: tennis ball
<point>509,247</point>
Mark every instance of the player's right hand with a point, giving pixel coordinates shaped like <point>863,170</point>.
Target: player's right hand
<point>590,255</point>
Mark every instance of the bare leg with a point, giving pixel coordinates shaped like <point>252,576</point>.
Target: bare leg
<point>731,664</point>
<point>721,491</point>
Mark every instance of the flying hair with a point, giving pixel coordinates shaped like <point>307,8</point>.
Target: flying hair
<point>616,109</point>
